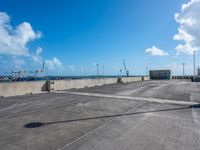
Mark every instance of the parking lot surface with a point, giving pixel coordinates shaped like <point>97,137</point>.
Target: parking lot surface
<point>64,121</point>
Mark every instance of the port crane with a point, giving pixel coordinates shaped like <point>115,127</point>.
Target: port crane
<point>125,69</point>
<point>18,74</point>
<point>39,72</point>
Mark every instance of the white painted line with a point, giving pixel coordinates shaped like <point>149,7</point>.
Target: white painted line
<point>154,100</point>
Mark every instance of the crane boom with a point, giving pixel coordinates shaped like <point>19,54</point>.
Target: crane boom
<point>43,65</point>
<point>124,63</point>
<point>125,69</point>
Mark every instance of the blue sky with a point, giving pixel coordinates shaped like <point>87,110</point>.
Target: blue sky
<point>76,34</point>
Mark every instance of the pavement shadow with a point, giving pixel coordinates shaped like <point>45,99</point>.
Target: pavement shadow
<point>195,106</point>
<point>40,124</point>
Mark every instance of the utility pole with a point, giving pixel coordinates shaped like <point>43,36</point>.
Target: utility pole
<point>97,69</point>
<point>146,71</point>
<point>183,70</point>
<point>194,65</point>
<point>84,70</point>
<point>102,70</point>
<point>120,72</point>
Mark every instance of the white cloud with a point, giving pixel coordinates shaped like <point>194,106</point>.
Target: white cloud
<point>14,53</point>
<point>10,63</point>
<point>17,63</point>
<point>185,48</point>
<point>154,51</point>
<point>14,41</point>
<point>54,64</point>
<point>188,30</point>
<point>71,67</point>
<point>36,57</point>
<point>38,50</point>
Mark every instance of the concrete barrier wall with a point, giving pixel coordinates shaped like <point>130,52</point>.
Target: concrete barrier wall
<point>131,79</point>
<point>181,77</point>
<point>134,79</point>
<point>80,83</point>
<point>146,78</point>
<point>21,88</point>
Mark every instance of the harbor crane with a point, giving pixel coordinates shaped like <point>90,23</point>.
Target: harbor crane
<point>19,74</point>
<point>125,69</point>
<point>39,72</point>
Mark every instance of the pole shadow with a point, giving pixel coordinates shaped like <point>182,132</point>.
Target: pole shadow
<point>40,124</point>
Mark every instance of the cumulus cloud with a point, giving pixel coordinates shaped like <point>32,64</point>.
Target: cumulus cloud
<point>154,51</point>
<point>71,67</point>
<point>54,64</point>
<point>14,52</point>
<point>14,41</point>
<point>188,31</point>
<point>37,55</point>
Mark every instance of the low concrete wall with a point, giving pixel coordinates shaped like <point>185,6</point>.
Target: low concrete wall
<point>134,79</point>
<point>81,83</point>
<point>21,88</point>
<point>131,79</point>
<point>190,78</point>
<point>146,78</point>
<point>181,77</point>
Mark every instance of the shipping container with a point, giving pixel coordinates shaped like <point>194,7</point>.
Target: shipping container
<point>160,74</point>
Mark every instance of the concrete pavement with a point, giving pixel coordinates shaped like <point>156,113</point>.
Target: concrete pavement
<point>69,121</point>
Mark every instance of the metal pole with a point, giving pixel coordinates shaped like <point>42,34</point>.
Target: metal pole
<point>103,70</point>
<point>84,71</point>
<point>120,72</point>
<point>146,71</point>
<point>183,70</point>
<point>194,65</point>
<point>97,69</point>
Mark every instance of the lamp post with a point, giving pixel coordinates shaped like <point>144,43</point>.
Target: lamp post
<point>194,65</point>
<point>97,69</point>
<point>183,70</point>
<point>102,70</point>
<point>120,72</point>
<point>146,71</point>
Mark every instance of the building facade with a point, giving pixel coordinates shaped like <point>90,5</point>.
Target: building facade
<point>160,74</point>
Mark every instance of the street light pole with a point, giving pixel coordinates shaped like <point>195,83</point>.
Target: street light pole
<point>97,69</point>
<point>183,69</point>
<point>146,71</point>
<point>102,70</point>
<point>120,72</point>
<point>194,65</point>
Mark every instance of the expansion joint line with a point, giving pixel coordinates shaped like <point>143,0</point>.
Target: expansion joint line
<point>152,100</point>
